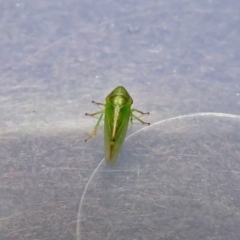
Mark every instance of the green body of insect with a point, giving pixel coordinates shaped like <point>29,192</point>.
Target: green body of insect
<point>117,113</point>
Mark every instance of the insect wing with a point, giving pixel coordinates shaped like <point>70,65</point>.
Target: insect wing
<point>115,138</point>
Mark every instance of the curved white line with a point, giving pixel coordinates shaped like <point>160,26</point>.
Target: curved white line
<point>202,114</point>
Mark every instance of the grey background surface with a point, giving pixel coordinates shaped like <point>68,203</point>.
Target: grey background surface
<point>177,179</point>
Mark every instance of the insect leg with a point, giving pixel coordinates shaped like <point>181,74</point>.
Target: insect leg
<point>96,126</point>
<point>135,110</point>
<point>137,118</point>
<point>98,103</point>
<point>93,114</point>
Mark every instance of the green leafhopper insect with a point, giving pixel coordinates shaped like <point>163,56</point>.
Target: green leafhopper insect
<point>117,113</point>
